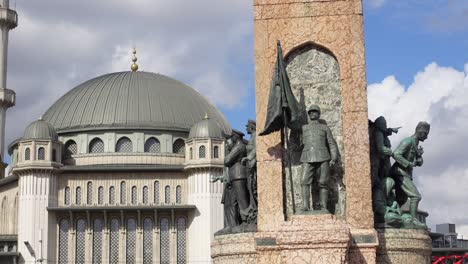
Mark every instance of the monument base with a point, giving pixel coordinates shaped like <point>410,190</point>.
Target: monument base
<point>302,239</point>
<point>404,246</point>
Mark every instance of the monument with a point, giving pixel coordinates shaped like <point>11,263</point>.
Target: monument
<point>316,105</point>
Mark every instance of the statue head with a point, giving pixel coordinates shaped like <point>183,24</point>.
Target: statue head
<point>234,138</point>
<point>381,123</point>
<point>314,112</point>
<point>422,130</point>
<point>251,126</point>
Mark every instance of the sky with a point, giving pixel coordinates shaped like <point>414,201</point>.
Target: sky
<point>416,61</point>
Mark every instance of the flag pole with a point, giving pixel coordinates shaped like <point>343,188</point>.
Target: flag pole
<point>288,160</point>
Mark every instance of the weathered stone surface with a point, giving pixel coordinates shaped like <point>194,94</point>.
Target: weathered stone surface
<point>404,246</point>
<point>270,195</point>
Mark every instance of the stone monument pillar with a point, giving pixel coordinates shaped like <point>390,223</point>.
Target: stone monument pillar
<point>323,47</point>
<point>324,51</point>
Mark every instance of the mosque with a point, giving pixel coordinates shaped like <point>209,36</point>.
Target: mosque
<point>116,171</point>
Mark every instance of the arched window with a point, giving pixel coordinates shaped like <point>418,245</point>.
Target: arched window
<point>100,195</point>
<point>66,198</point>
<point>178,194</point>
<point>202,152</point>
<point>165,257</point>
<point>124,145</point>
<point>181,241</point>
<point>191,153</point>
<point>89,193</point>
<point>41,153</point>
<point>123,193</point>
<point>27,154</point>
<point>70,149</point>
<point>156,192</point>
<point>147,241</point>
<point>134,195</point>
<point>167,194</point>
<point>152,145</point>
<point>178,146</point>
<point>112,195</point>
<point>63,241</point>
<point>131,240</point>
<point>97,240</point>
<point>78,195</point>
<point>96,146</point>
<point>145,194</point>
<point>80,241</point>
<point>54,155</point>
<point>4,211</point>
<point>114,241</point>
<point>216,152</point>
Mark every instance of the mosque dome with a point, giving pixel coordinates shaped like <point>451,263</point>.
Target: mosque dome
<point>206,128</point>
<point>40,129</point>
<point>132,100</point>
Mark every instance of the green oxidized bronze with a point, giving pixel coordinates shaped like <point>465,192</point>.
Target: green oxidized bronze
<point>319,153</point>
<point>394,187</point>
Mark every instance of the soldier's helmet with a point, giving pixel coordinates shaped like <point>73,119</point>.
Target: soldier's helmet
<point>313,107</point>
<point>423,127</point>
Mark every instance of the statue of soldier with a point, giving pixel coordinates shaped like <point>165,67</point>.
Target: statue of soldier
<point>319,153</point>
<point>408,155</point>
<point>251,162</point>
<point>238,172</point>
<point>381,150</point>
<point>386,210</point>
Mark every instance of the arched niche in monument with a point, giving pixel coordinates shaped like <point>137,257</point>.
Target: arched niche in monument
<point>314,74</point>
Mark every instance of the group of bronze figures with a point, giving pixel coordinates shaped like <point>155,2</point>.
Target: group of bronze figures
<point>392,185</point>
<point>240,182</point>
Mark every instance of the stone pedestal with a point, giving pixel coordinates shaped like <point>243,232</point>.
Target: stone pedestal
<point>303,239</point>
<point>234,249</point>
<point>404,246</point>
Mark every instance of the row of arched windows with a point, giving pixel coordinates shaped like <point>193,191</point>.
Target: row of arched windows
<point>134,194</point>
<point>130,240</point>
<point>40,154</point>
<point>202,152</point>
<point>124,144</point>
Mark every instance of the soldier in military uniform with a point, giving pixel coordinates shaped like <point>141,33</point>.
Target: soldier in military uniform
<point>251,162</point>
<point>237,175</point>
<point>408,155</point>
<point>319,153</point>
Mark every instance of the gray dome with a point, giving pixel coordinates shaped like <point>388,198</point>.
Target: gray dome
<point>207,128</point>
<point>40,129</point>
<point>131,100</point>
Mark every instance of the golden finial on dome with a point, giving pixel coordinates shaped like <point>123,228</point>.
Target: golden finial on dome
<point>134,66</point>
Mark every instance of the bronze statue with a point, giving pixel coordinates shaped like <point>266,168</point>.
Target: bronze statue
<point>240,214</point>
<point>408,155</point>
<point>319,153</point>
<point>385,208</point>
<point>381,149</point>
<point>251,162</point>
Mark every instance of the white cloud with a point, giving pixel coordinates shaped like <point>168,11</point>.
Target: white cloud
<point>438,95</point>
<point>60,44</point>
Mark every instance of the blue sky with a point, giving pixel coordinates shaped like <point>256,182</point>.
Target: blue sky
<point>416,59</point>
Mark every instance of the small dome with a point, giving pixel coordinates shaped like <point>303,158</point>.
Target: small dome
<point>40,129</point>
<point>207,128</point>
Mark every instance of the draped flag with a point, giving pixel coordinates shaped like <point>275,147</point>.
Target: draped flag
<point>283,108</point>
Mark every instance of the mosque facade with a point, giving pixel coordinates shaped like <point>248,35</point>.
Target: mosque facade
<point>117,170</point>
